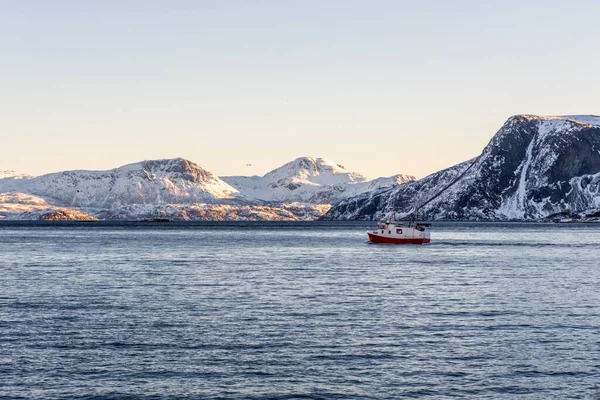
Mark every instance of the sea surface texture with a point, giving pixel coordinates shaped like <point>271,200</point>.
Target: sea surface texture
<point>298,311</point>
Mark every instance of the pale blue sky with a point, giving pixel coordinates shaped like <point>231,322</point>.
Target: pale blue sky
<point>382,87</point>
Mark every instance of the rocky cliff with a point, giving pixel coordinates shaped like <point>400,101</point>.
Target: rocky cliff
<point>534,167</point>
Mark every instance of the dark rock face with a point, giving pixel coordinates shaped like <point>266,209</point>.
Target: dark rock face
<point>67,215</point>
<point>533,167</point>
<point>187,170</point>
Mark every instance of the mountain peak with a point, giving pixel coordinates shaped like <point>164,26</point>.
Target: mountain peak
<point>316,169</point>
<point>311,180</point>
<point>177,164</point>
<point>317,162</point>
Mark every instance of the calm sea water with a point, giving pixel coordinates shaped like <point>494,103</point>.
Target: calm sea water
<point>299,310</point>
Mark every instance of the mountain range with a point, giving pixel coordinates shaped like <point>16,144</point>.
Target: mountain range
<point>534,167</point>
<point>180,189</point>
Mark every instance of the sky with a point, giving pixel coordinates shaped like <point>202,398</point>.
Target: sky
<point>381,87</point>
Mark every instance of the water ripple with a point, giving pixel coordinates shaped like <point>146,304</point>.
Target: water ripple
<point>297,311</point>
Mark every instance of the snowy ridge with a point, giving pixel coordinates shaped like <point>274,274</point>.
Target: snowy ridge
<point>159,181</point>
<point>310,180</point>
<point>592,120</point>
<point>532,168</point>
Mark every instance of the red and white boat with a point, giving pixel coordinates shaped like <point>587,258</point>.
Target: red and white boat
<point>397,233</point>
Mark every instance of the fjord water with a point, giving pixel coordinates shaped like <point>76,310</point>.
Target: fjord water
<point>298,310</point>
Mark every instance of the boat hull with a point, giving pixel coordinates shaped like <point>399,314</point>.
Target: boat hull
<point>380,239</point>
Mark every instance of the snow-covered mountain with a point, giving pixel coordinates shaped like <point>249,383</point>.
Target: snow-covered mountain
<point>534,167</point>
<point>309,180</point>
<point>148,182</point>
<point>179,189</point>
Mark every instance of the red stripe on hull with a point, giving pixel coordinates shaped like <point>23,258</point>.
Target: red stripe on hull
<point>390,240</point>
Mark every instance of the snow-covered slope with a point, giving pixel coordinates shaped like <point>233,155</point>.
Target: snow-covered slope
<point>218,212</point>
<point>311,180</point>
<point>148,182</point>
<point>535,166</point>
<point>13,203</point>
<point>22,206</point>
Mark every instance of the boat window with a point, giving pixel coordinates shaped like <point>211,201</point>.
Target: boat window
<point>382,231</point>
<point>399,231</point>
<point>389,232</point>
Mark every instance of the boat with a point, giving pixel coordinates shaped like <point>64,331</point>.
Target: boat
<point>392,232</point>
